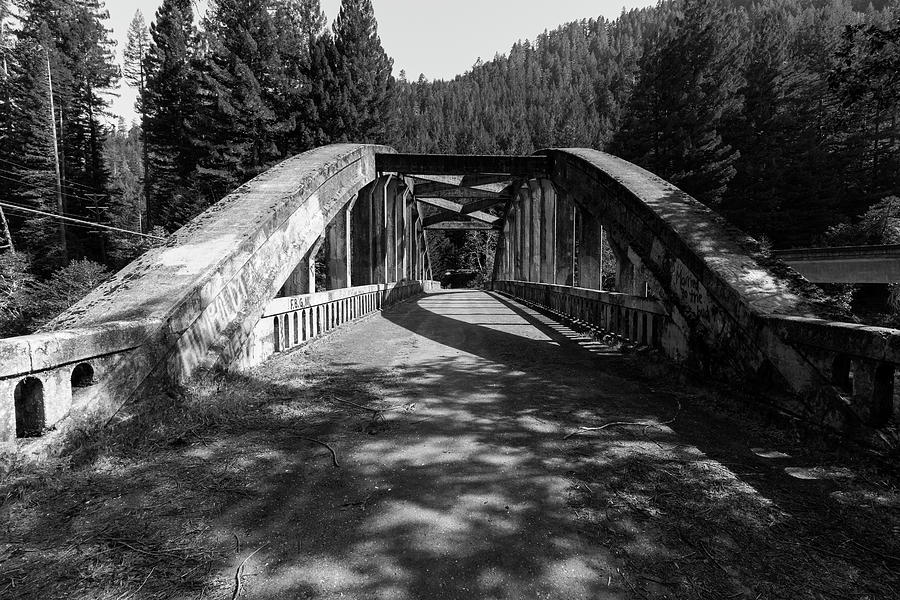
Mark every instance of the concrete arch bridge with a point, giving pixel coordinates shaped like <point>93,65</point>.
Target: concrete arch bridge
<point>239,284</point>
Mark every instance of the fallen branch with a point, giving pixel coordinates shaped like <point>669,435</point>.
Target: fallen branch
<point>617,423</point>
<point>238,585</point>
<point>140,587</point>
<point>336,399</point>
<point>713,558</point>
<point>330,449</point>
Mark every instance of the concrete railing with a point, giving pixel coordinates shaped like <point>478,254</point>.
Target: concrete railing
<point>194,303</point>
<point>632,318</point>
<point>862,363</point>
<point>292,321</point>
<point>46,376</point>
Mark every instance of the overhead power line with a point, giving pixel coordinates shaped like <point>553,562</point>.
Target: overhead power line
<point>79,221</point>
<point>66,183</point>
<point>43,188</point>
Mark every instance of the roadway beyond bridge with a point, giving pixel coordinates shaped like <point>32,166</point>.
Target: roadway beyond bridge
<point>460,471</point>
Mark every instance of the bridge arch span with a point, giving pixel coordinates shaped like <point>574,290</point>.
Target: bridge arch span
<point>199,300</point>
<point>702,291</point>
<point>238,283</point>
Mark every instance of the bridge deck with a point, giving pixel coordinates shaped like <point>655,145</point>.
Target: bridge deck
<point>465,485</point>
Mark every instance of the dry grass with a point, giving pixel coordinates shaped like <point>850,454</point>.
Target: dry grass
<point>129,510</point>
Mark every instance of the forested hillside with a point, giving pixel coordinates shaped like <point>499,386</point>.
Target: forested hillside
<point>781,114</point>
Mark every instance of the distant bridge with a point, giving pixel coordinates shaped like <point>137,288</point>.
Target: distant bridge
<point>846,264</point>
<point>238,283</point>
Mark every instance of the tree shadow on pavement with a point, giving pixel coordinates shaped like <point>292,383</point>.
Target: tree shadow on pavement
<point>450,420</point>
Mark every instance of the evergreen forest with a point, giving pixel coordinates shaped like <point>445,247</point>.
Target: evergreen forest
<point>780,114</point>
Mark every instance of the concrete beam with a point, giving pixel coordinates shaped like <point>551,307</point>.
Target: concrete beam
<point>456,164</point>
<point>457,209</point>
<point>478,205</point>
<point>459,225</point>
<point>446,190</point>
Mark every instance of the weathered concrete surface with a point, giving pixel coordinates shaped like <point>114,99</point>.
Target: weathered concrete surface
<point>198,299</point>
<point>718,287</point>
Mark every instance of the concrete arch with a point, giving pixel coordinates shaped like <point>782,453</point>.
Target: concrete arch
<point>721,294</point>
<point>194,302</point>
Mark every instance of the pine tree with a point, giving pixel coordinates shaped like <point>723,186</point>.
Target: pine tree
<point>136,49</point>
<point>686,93</point>
<point>326,124</point>
<point>299,24</point>
<point>363,75</point>
<point>866,79</point>
<point>83,70</point>
<point>7,122</point>
<point>242,74</point>
<point>170,102</point>
<point>124,157</point>
<point>35,172</point>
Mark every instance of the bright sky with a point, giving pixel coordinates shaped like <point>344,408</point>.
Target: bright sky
<point>438,38</point>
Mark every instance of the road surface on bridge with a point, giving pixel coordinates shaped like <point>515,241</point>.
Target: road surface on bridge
<point>451,421</point>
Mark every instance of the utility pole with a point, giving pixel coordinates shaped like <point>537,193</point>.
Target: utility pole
<point>60,207</point>
<point>6,233</point>
<point>3,222</point>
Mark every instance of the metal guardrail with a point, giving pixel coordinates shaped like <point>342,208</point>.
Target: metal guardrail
<point>632,318</point>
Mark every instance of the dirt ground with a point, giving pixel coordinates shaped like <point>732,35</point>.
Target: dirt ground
<point>437,451</point>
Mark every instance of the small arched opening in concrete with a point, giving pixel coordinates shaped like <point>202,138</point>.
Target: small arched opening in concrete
<point>277,335</point>
<point>842,373</point>
<point>29,401</point>
<point>83,376</point>
<point>882,395</point>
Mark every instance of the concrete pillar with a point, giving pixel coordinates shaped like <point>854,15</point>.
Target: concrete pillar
<point>399,211</point>
<point>548,231</point>
<point>390,242</point>
<point>588,251</point>
<point>337,234</point>
<point>537,246</point>
<point>298,281</point>
<point>565,240</point>
<point>624,267</point>
<point>311,265</point>
<point>377,229</point>
<point>512,245</point>
<point>417,244</point>
<point>361,247</point>
<point>519,248</point>
<point>525,207</point>
<point>403,238</point>
<point>641,278</point>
